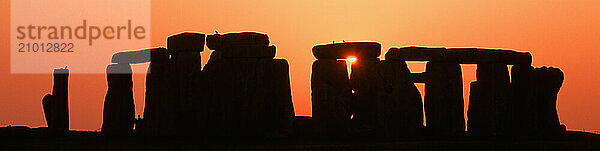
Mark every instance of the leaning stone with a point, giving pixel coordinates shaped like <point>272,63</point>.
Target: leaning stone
<point>365,50</point>
<point>444,104</point>
<point>184,42</point>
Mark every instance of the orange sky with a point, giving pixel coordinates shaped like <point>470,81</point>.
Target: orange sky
<point>560,33</point>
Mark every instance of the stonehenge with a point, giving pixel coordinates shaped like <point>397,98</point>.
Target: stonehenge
<point>243,92</point>
<point>56,105</point>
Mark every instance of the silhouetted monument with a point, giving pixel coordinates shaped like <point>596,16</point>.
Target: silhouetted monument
<point>119,109</point>
<point>243,92</point>
<point>56,105</point>
<point>248,90</point>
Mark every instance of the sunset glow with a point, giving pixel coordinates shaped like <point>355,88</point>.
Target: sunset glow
<point>351,59</point>
<point>558,33</point>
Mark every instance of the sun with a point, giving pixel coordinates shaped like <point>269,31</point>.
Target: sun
<point>351,59</point>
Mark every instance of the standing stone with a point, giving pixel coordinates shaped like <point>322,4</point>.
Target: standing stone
<point>248,91</point>
<point>403,105</point>
<point>491,104</point>
<point>369,94</point>
<point>331,95</point>
<point>119,109</point>
<point>547,84</point>
<point>480,121</point>
<point>185,51</point>
<point>523,112</point>
<point>56,105</point>
<point>159,110</point>
<point>444,104</point>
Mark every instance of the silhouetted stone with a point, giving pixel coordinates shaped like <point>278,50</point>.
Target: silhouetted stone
<point>247,51</point>
<point>218,41</point>
<point>444,104</point>
<point>248,91</point>
<point>415,54</point>
<point>119,116</point>
<point>534,93</point>
<point>369,93</point>
<point>403,106</point>
<point>523,108</point>
<point>547,84</point>
<point>418,77</point>
<point>56,105</point>
<point>187,67</point>
<point>493,81</point>
<point>186,42</point>
<point>481,121</point>
<point>331,95</point>
<point>132,57</point>
<point>459,55</point>
<point>344,50</point>
<point>160,106</point>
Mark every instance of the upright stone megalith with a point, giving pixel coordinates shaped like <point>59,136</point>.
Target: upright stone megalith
<point>491,106</point>
<point>186,65</point>
<point>547,82</point>
<point>331,95</point>
<point>56,105</point>
<point>119,109</point>
<point>248,91</point>
<point>444,103</point>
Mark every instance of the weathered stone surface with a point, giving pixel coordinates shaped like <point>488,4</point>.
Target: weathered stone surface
<point>247,51</point>
<point>331,95</point>
<point>186,42</point>
<point>218,41</point>
<point>444,104</point>
<point>460,55</point>
<point>403,107</point>
<point>56,105</point>
<point>365,50</point>
<point>369,92</point>
<point>119,110</point>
